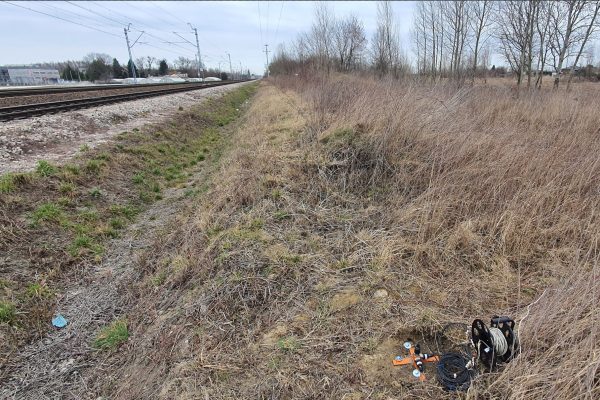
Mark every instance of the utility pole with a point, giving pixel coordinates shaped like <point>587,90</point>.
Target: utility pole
<point>267,54</point>
<point>230,69</point>
<point>198,48</point>
<point>129,50</point>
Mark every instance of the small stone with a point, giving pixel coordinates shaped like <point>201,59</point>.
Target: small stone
<point>380,293</point>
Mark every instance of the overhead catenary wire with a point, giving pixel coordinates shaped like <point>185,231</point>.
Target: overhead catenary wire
<point>112,20</point>
<point>260,23</point>
<point>168,12</point>
<point>73,14</point>
<point>278,22</point>
<point>267,23</point>
<point>144,25</point>
<point>62,19</point>
<point>97,29</point>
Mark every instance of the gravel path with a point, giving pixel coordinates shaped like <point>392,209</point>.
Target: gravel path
<point>58,137</point>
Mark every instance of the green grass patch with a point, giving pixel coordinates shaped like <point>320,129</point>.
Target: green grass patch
<point>8,312</point>
<point>84,244</point>
<point>112,336</point>
<point>289,344</point>
<point>281,215</point>
<point>44,168</point>
<point>67,188</point>
<point>38,291</point>
<point>7,183</point>
<point>117,223</point>
<point>138,178</point>
<point>93,166</point>
<point>48,212</point>
<point>127,211</point>
<point>95,192</point>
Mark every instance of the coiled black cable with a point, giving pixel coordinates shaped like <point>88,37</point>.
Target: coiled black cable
<point>453,373</point>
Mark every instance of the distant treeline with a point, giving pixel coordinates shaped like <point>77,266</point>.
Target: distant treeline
<point>454,39</point>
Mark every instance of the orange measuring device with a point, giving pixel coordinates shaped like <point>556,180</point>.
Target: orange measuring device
<point>416,359</point>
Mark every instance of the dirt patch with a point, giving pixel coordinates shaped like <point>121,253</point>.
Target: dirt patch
<point>378,365</point>
<point>344,300</point>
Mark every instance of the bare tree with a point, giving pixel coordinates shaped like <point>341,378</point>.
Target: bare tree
<point>515,32</point>
<point>569,20</point>
<point>150,62</point>
<point>542,25</point>
<point>442,35</point>
<point>385,46</point>
<point>350,42</point>
<point>480,12</point>
<point>456,18</point>
<point>320,39</point>
<point>592,17</point>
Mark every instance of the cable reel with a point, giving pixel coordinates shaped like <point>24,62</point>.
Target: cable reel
<point>495,344</point>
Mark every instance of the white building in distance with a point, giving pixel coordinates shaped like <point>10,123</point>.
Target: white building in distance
<point>28,76</point>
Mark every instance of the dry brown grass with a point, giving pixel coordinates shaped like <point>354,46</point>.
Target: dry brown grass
<point>458,203</point>
<point>495,193</point>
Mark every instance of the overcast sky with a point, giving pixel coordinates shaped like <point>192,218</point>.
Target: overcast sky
<point>239,28</point>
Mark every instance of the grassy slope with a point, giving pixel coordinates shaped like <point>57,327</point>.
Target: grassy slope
<point>266,290</point>
<point>54,222</point>
<point>334,231</point>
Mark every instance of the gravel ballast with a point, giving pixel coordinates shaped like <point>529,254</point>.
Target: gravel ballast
<point>58,137</point>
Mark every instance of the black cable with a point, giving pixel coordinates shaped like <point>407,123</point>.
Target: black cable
<point>453,373</point>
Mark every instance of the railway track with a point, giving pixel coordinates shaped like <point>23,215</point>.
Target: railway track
<point>91,88</point>
<point>32,110</point>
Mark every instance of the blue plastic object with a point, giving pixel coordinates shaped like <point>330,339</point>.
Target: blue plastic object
<point>59,321</point>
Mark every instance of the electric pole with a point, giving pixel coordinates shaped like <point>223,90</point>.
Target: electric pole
<point>267,54</point>
<point>230,69</point>
<point>198,48</point>
<point>129,50</point>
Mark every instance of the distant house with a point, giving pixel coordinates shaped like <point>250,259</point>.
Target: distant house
<point>28,76</point>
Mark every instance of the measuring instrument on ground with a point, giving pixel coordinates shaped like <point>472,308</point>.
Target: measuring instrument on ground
<point>416,358</point>
<point>492,345</point>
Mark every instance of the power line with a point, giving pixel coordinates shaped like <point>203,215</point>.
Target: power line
<point>114,21</point>
<point>153,16</point>
<point>268,6</point>
<point>259,21</point>
<point>125,24</point>
<point>278,22</point>
<point>168,12</point>
<point>74,14</point>
<point>148,27</point>
<point>61,18</point>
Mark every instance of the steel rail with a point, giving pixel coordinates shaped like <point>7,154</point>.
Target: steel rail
<point>32,110</point>
<point>75,89</point>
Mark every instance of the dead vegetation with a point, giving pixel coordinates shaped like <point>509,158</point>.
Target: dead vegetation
<point>353,214</point>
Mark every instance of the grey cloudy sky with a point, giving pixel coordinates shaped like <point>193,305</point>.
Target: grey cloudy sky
<point>240,28</point>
